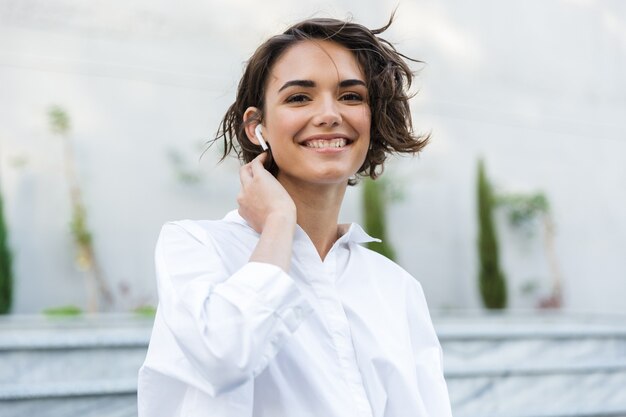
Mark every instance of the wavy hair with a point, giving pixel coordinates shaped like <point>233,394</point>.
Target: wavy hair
<point>388,79</point>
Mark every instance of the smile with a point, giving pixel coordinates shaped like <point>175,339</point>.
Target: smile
<point>326,143</point>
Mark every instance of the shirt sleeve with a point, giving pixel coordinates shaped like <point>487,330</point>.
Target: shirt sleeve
<point>228,326</point>
<point>427,354</point>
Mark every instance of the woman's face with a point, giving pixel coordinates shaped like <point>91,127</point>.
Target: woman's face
<point>317,117</point>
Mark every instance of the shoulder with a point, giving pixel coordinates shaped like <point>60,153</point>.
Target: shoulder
<point>399,285</point>
<point>384,270</point>
<point>192,241</point>
<point>392,282</point>
<point>212,232</point>
<point>189,246</point>
<point>378,262</point>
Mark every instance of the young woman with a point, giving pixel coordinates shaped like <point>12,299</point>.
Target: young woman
<point>276,310</point>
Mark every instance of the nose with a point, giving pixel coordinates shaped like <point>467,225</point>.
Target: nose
<point>327,113</point>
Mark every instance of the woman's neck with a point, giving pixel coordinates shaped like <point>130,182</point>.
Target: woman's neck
<point>318,209</point>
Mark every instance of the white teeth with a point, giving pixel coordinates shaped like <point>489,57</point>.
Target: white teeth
<point>330,143</point>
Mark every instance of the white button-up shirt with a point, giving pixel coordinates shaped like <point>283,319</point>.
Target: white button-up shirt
<point>345,337</point>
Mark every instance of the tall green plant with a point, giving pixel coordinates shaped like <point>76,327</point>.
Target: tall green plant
<point>85,255</point>
<point>374,216</point>
<point>6,275</point>
<point>491,280</point>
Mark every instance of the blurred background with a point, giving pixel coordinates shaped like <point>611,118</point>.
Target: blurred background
<point>536,89</point>
<point>106,109</point>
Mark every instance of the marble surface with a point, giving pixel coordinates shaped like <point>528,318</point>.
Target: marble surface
<point>67,389</point>
<point>59,364</point>
<point>505,366</point>
<point>39,332</point>
<point>535,366</point>
<point>94,406</point>
<point>476,353</point>
<point>536,395</point>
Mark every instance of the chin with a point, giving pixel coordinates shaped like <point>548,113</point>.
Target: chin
<point>322,174</point>
<point>332,178</point>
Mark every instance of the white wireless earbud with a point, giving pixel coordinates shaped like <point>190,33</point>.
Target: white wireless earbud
<point>259,136</point>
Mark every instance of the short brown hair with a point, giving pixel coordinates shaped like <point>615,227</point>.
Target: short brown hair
<point>388,79</point>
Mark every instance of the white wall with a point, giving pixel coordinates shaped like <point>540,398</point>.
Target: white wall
<point>536,88</point>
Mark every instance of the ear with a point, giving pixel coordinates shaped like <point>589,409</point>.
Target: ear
<point>251,118</point>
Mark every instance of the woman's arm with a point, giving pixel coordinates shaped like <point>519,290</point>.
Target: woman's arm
<point>227,325</point>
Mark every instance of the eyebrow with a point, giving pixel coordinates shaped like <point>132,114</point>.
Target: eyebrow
<point>311,84</point>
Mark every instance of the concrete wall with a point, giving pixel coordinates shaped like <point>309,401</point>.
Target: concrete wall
<point>536,88</point>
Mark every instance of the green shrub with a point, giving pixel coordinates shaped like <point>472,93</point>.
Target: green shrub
<point>6,260</point>
<point>491,280</point>
<point>374,216</point>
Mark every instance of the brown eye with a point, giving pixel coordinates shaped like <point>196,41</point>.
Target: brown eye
<point>297,98</point>
<point>351,97</point>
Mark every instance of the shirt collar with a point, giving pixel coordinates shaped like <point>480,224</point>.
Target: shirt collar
<point>351,232</point>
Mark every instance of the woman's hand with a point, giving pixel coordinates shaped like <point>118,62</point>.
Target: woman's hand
<point>269,209</point>
<point>262,197</point>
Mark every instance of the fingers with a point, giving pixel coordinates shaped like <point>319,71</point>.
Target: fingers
<point>247,172</point>
<point>258,163</point>
<point>245,175</point>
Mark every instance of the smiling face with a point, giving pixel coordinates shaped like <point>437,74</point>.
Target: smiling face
<point>316,116</point>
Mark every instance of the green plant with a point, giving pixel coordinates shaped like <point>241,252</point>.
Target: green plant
<point>6,260</point>
<point>523,210</point>
<point>528,213</point>
<point>63,311</point>
<point>374,216</point>
<point>145,311</point>
<point>491,280</point>
<point>85,255</point>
